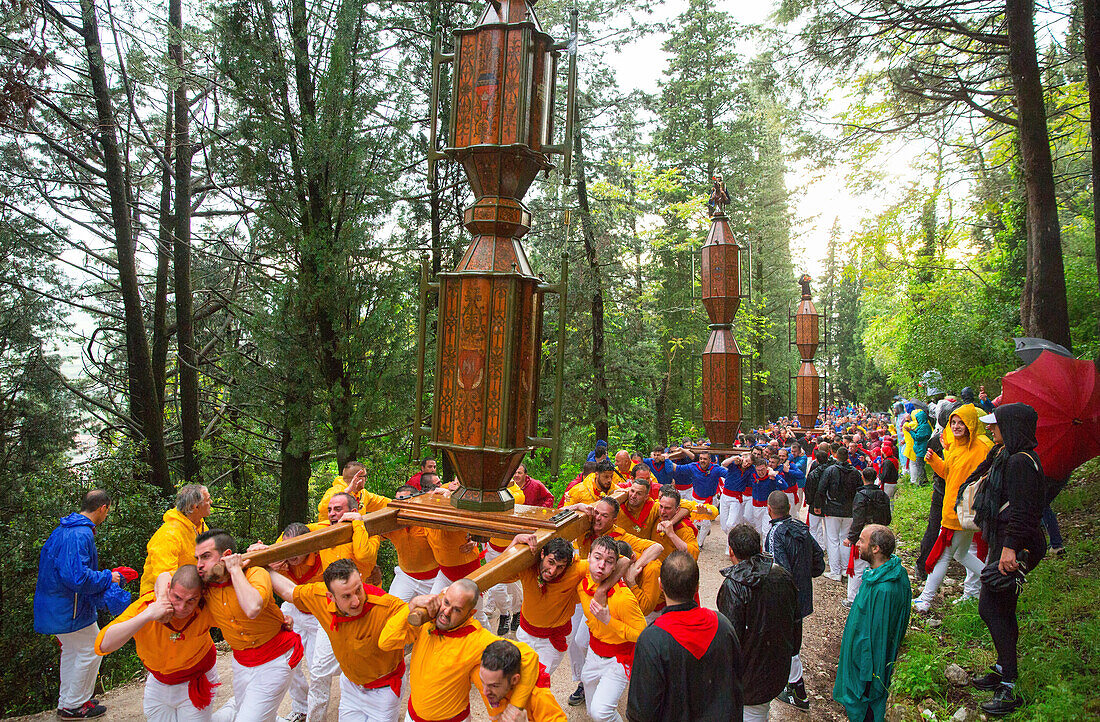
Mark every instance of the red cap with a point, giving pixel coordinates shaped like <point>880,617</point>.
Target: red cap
<point>126,573</point>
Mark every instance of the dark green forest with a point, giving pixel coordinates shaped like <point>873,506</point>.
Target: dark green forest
<point>213,217</point>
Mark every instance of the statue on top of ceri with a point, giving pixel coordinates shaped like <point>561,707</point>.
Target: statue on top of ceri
<point>719,197</point>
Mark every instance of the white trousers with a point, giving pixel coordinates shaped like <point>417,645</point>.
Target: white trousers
<point>796,669</point>
<point>170,703</point>
<point>319,662</point>
<point>549,656</point>
<point>502,598</point>
<point>578,643</point>
<point>79,666</point>
<point>959,550</point>
<point>761,521</point>
<point>757,712</point>
<point>604,683</point>
<point>817,529</point>
<point>703,525</point>
<point>836,530</point>
<point>257,691</point>
<point>857,579</point>
<point>729,512</point>
<point>405,587</point>
<point>367,705</point>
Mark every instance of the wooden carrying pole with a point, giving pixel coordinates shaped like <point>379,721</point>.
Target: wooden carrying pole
<point>377,522</point>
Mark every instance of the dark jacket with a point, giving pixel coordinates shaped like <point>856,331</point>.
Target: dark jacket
<point>870,505</point>
<point>71,586</point>
<point>761,601</point>
<point>793,547</point>
<point>669,683</point>
<point>839,484</point>
<point>1009,506</point>
<point>888,472</point>
<point>815,497</point>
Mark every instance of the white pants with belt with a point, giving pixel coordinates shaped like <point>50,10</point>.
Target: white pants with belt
<point>257,691</point>
<point>171,703</point>
<point>319,661</point>
<point>729,512</point>
<point>604,683</point>
<point>405,587</point>
<point>960,551</point>
<point>836,530</point>
<point>502,598</point>
<point>367,705</point>
<point>79,666</point>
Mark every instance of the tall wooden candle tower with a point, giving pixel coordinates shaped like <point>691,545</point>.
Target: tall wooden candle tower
<point>721,291</point>
<point>490,306</point>
<point>807,335</point>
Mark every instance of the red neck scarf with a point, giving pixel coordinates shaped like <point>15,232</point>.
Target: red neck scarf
<point>460,632</point>
<point>642,515</point>
<point>308,574</point>
<point>693,628</point>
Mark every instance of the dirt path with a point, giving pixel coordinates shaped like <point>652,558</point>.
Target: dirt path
<point>822,632</point>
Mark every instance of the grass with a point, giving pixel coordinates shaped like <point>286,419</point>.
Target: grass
<point>1059,613</point>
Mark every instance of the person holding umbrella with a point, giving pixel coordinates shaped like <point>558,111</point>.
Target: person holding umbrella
<point>1008,507</point>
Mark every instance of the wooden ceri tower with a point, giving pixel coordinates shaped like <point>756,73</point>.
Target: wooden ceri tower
<point>807,336</point>
<point>490,306</point>
<point>721,292</point>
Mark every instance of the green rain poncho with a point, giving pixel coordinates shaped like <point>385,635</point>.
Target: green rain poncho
<point>872,635</point>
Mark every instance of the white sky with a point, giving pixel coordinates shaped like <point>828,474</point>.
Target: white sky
<point>817,200</point>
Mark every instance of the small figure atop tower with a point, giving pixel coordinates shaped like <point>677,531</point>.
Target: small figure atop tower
<point>719,197</point>
<point>805,283</point>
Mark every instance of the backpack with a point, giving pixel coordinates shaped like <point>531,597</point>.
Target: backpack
<point>817,559</point>
<point>965,508</point>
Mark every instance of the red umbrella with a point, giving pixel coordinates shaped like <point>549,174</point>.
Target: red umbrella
<point>1066,394</point>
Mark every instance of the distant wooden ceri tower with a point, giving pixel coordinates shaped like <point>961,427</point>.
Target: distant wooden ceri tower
<point>807,339</point>
<point>489,332</point>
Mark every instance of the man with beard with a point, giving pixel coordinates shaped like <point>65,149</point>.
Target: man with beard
<point>703,479</point>
<point>670,533</point>
<point>594,487</point>
<point>613,628</point>
<point>240,601</point>
<point>874,630</point>
<point>498,675</point>
<point>639,514</point>
<point>353,615</point>
<point>446,652</point>
<point>172,636</point>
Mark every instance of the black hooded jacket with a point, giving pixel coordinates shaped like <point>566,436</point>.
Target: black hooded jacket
<point>1009,506</point>
<point>815,494</point>
<point>838,487</point>
<point>760,600</point>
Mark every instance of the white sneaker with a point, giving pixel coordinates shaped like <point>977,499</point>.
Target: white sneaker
<point>832,576</point>
<point>922,607</point>
<point>964,598</point>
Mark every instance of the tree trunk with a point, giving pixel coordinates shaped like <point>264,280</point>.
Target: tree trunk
<point>186,357</point>
<point>599,369</point>
<point>164,259</point>
<point>294,467</point>
<point>144,406</point>
<point>1090,10</point>
<point>1047,314</point>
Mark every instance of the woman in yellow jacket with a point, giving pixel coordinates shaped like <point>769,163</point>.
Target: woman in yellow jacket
<point>965,446</point>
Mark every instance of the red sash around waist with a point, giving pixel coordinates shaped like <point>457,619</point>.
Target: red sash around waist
<point>423,576</point>
<point>391,680</point>
<point>497,547</point>
<point>457,718</point>
<point>942,542</point>
<point>199,689</point>
<point>557,635</point>
<point>269,650</point>
<point>759,504</point>
<point>623,652</point>
<point>732,492</point>
<point>461,571</point>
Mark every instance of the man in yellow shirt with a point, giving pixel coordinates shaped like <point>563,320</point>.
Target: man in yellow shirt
<point>347,477</point>
<point>613,627</point>
<point>172,635</point>
<point>673,535</point>
<point>594,487</point>
<point>173,544</point>
<point>241,603</point>
<point>639,514</point>
<point>446,653</point>
<point>498,675</point>
<point>623,465</point>
<point>353,615</point>
<point>645,584</point>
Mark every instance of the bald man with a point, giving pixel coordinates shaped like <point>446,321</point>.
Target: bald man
<point>446,654</point>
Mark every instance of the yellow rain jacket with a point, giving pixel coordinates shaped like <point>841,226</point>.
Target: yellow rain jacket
<point>171,546</point>
<point>959,461</point>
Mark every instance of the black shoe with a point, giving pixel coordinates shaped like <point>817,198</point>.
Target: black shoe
<point>515,622</point>
<point>502,625</point>
<point>788,695</point>
<point>989,680</point>
<point>1005,700</point>
<point>88,710</point>
<point>577,698</point>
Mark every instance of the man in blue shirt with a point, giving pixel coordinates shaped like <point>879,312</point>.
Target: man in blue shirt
<point>702,478</point>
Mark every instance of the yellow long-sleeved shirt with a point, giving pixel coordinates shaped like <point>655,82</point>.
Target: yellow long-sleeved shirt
<point>639,523</point>
<point>355,640</point>
<point>541,706</point>
<point>441,666</point>
<point>627,620</point>
<point>362,549</point>
<point>583,543</point>
<point>414,553</point>
<point>551,605</point>
<point>686,532</point>
<point>166,648</point>
<point>647,587</point>
<point>171,547</point>
<point>959,462</point>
